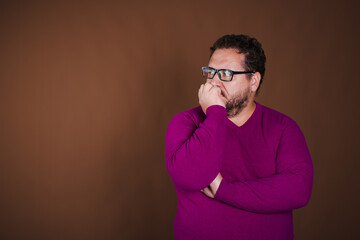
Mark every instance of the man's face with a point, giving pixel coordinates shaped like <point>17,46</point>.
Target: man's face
<point>237,92</point>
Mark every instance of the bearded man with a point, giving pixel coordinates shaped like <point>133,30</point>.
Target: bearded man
<point>239,168</point>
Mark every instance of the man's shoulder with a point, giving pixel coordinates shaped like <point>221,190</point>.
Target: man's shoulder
<point>195,115</point>
<point>275,117</point>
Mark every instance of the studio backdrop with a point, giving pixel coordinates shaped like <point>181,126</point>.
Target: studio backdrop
<point>87,89</point>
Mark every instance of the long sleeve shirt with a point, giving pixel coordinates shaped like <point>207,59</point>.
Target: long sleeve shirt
<point>266,167</point>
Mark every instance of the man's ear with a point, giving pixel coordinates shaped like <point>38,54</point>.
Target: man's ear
<point>255,81</point>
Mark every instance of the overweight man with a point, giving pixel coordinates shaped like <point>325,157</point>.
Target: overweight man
<point>239,168</point>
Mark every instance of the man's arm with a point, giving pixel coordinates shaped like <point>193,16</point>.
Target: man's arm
<point>288,189</point>
<point>193,154</point>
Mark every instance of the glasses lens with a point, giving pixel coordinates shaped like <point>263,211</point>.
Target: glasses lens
<point>208,72</point>
<point>226,75</point>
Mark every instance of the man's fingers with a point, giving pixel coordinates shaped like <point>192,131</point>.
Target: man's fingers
<point>201,89</point>
<point>222,97</point>
<point>218,91</point>
<point>208,192</point>
<point>208,86</point>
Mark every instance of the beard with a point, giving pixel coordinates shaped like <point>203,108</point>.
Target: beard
<point>236,104</point>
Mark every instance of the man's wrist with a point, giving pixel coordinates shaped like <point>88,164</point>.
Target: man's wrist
<point>216,108</point>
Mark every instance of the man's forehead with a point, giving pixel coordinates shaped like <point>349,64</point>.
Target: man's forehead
<point>228,59</point>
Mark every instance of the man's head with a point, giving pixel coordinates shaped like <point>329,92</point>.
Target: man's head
<point>254,54</point>
<point>238,53</point>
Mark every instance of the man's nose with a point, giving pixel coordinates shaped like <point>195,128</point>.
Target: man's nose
<point>215,80</point>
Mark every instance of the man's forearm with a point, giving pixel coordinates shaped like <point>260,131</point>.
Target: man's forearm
<point>281,192</point>
<point>193,155</point>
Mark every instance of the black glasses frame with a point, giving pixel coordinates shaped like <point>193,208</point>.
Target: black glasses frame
<point>218,72</point>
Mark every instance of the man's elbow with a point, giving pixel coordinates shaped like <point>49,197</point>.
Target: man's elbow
<point>303,201</point>
<point>304,197</point>
<point>192,181</point>
<point>186,182</point>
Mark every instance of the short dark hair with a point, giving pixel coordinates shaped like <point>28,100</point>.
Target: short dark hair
<point>254,54</point>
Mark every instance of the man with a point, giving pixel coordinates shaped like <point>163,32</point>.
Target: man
<point>239,168</point>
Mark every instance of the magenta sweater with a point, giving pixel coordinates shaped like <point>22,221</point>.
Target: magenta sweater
<point>266,167</point>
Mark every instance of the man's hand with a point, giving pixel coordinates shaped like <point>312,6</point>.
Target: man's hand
<point>211,190</point>
<point>210,95</point>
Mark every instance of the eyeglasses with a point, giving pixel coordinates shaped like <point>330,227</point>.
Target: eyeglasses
<point>224,74</point>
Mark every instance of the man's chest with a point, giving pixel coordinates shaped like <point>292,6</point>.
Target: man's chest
<point>248,157</point>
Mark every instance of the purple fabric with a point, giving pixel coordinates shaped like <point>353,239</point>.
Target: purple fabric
<point>265,163</point>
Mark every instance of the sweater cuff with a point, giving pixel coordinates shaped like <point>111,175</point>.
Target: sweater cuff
<point>223,191</point>
<point>216,111</point>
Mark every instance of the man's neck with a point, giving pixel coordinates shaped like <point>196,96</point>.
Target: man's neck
<point>241,118</point>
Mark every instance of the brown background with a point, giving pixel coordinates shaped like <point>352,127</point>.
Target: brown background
<point>87,90</point>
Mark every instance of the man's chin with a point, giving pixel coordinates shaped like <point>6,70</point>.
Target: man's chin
<point>234,109</point>
<point>233,112</point>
